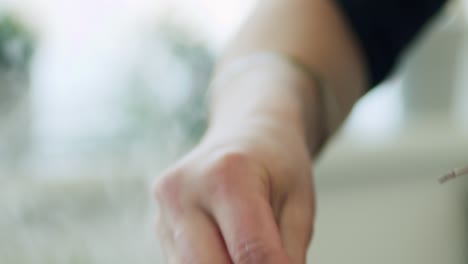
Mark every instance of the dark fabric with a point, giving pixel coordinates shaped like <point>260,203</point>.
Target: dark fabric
<point>386,27</point>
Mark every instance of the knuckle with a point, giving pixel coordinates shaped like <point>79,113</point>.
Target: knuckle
<point>228,161</point>
<point>252,252</point>
<point>226,170</point>
<point>168,186</point>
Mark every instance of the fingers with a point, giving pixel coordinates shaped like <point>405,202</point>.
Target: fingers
<point>194,239</point>
<point>223,214</point>
<point>188,234</point>
<point>296,224</point>
<point>249,230</point>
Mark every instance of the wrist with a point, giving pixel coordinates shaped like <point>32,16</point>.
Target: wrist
<point>254,128</point>
<point>267,94</point>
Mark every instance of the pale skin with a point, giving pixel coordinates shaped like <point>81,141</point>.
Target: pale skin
<point>245,194</point>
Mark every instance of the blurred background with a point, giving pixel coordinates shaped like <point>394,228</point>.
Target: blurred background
<point>97,96</point>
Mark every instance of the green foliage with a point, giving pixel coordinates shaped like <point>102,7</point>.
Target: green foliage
<point>16,48</point>
<point>200,61</point>
<point>16,44</point>
<point>184,124</point>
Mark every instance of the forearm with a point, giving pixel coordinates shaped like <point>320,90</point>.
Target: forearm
<point>314,32</point>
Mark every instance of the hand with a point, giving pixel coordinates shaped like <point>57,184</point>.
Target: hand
<point>242,199</point>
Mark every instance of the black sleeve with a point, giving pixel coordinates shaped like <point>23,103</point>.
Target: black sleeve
<point>386,27</point>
